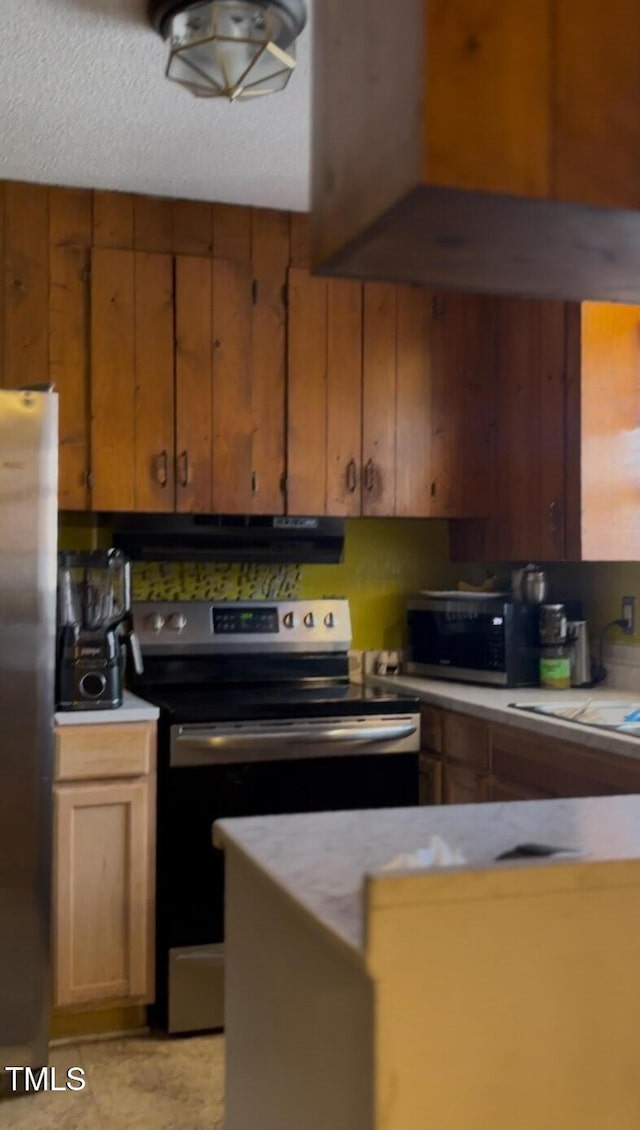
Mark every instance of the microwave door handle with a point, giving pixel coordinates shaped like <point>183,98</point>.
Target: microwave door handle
<point>334,735</point>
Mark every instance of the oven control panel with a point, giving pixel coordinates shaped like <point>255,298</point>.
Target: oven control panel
<point>227,626</point>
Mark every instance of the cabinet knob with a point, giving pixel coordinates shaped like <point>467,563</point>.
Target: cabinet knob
<point>369,475</point>
<point>162,469</point>
<point>183,468</point>
<point>554,519</point>
<point>352,476</point>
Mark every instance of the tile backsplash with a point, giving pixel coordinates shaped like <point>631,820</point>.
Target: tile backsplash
<point>187,580</point>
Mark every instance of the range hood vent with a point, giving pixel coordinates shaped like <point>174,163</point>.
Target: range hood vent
<point>229,538</point>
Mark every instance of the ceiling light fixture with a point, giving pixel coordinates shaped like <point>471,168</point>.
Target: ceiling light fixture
<point>230,48</point>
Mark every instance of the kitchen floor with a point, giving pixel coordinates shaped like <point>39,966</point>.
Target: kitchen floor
<point>137,1084</point>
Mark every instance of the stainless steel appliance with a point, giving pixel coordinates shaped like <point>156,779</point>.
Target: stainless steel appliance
<point>473,638</point>
<point>579,657</point>
<point>94,602</point>
<point>28,526</point>
<point>257,716</point>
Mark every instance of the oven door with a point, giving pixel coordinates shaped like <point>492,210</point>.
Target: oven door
<point>254,769</point>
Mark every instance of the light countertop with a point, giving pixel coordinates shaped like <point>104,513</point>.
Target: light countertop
<point>493,703</point>
<point>320,859</point>
<point>133,709</point>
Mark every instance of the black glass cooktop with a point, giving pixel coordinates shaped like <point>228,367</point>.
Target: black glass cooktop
<point>224,702</point>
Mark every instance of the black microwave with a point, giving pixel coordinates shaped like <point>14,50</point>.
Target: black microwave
<point>473,639</point>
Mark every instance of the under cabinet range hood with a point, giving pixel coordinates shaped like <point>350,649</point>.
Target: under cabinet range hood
<point>229,538</point>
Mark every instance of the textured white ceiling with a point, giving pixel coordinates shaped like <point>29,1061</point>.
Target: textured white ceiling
<point>84,101</point>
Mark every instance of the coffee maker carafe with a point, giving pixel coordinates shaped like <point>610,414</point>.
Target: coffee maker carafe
<point>94,621</point>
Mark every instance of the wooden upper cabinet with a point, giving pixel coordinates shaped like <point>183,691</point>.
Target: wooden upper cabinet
<point>463,378</point>
<point>457,145</point>
<point>397,389</point>
<point>565,468</point>
<point>132,450</point>
<point>70,221</point>
<point>527,466</point>
<point>194,384</point>
<point>603,425</point>
<point>324,428</point>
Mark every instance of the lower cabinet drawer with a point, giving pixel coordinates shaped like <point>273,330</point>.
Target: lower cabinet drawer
<point>104,750</point>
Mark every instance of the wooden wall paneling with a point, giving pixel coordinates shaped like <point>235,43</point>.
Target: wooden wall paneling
<point>597,89</point>
<point>152,224</point>
<point>270,260</point>
<point>463,379</point>
<point>154,383</point>
<point>307,394</point>
<point>300,236</point>
<point>379,400</point>
<point>344,398</point>
<point>194,391</point>
<point>70,229</point>
<point>26,282</point>
<point>112,380</point>
<point>192,227</point>
<point>112,219</point>
<point>413,463</point>
<point>232,232</point>
<point>488,67</point>
<point>70,217</point>
<point>231,488</point>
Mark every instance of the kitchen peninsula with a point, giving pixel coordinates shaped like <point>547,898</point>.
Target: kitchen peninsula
<point>360,997</point>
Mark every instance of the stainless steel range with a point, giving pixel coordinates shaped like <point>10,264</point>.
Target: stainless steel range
<point>257,717</point>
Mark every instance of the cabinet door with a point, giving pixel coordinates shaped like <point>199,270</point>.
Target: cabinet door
<point>530,466</point>
<point>132,405</point>
<point>396,453</point>
<point>194,384</point>
<point>103,892</point>
<point>324,438</point>
<point>233,474</point>
<point>462,785</point>
<point>462,380</point>
<point>379,403</point>
<point>430,779</point>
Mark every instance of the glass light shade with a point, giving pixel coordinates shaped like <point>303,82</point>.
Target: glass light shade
<point>232,49</point>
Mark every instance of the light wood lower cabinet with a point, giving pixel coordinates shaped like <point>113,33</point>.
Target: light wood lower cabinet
<point>103,879</point>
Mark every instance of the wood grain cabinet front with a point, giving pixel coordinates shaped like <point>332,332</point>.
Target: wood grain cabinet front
<point>387,414</point>
<point>103,891</point>
<point>189,352</point>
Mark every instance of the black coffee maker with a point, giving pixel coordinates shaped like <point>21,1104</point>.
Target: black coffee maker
<point>94,628</point>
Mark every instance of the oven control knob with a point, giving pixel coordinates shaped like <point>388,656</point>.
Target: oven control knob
<point>289,620</point>
<point>156,622</point>
<point>329,621</point>
<point>309,621</point>
<point>177,622</point>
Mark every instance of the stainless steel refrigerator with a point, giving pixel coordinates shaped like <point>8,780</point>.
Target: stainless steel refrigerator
<point>28,543</point>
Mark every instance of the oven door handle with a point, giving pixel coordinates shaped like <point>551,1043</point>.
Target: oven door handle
<point>334,735</point>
